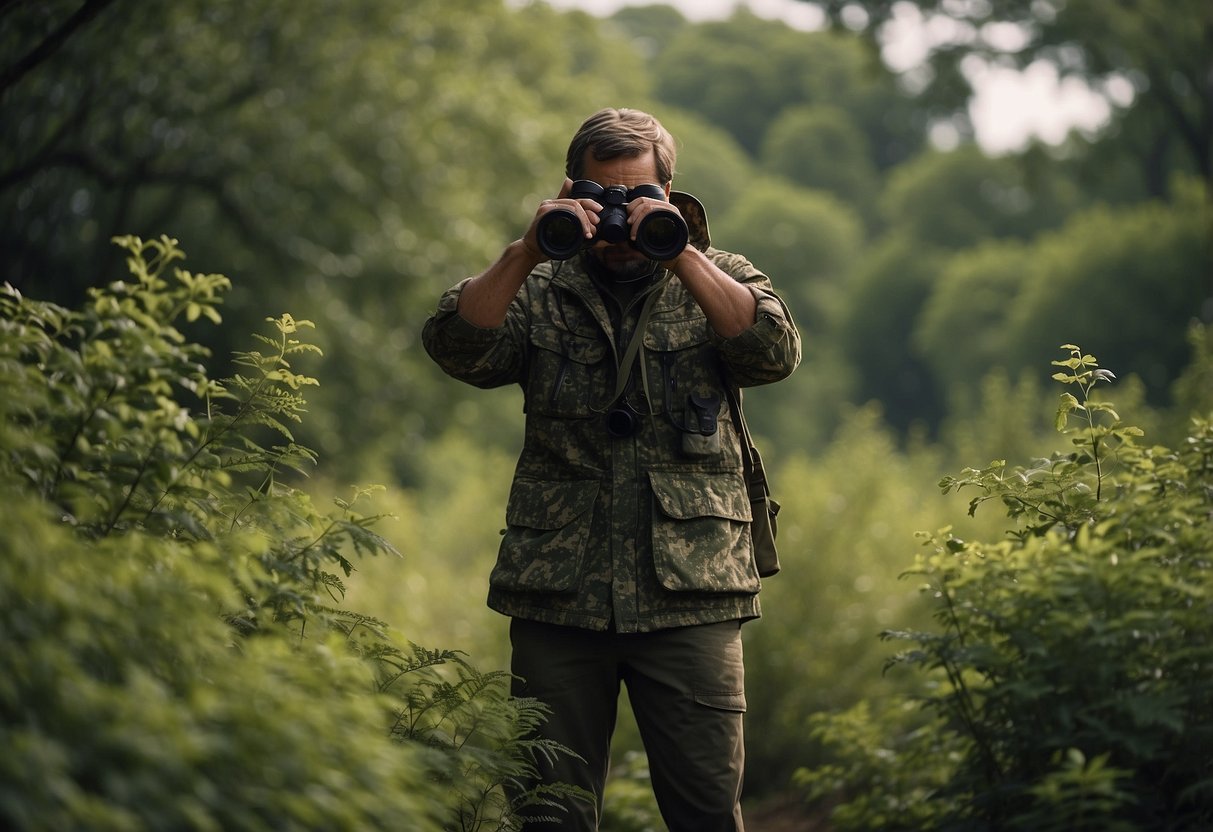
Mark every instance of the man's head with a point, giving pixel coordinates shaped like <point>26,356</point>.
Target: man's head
<point>621,133</point>
<point>628,148</point>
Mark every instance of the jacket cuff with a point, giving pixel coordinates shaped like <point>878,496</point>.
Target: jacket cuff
<point>454,328</point>
<point>769,328</point>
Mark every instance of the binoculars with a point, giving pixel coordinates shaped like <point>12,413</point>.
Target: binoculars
<point>662,235</point>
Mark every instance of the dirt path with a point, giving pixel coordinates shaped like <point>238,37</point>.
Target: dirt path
<point>784,814</point>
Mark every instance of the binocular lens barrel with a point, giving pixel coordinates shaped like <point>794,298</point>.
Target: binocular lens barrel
<point>559,234</point>
<point>661,236</point>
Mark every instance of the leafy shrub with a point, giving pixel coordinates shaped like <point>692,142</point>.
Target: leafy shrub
<point>177,653</point>
<point>1067,683</point>
<point>128,704</point>
<point>814,648</point>
<point>629,804</point>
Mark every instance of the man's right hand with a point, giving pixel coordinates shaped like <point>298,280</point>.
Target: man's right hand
<point>486,297</point>
<point>585,209</point>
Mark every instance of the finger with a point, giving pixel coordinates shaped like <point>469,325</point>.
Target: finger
<point>638,209</point>
<point>590,209</point>
<point>586,211</point>
<point>591,206</point>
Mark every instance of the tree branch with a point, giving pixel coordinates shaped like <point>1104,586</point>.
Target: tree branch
<point>51,43</point>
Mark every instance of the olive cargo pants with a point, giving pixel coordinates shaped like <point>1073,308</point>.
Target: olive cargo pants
<point>686,687</point>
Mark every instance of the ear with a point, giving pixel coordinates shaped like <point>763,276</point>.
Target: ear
<point>666,187</point>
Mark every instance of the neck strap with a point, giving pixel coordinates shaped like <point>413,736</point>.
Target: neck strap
<point>624,371</point>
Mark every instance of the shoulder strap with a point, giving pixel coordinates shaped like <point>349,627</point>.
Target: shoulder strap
<point>755,474</point>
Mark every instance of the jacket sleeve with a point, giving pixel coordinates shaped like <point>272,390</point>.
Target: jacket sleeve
<point>478,356</point>
<point>770,349</point>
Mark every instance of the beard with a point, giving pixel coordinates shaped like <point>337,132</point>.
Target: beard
<point>622,263</point>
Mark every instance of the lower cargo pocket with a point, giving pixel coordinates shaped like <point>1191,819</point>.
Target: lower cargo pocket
<point>701,532</point>
<point>548,526</point>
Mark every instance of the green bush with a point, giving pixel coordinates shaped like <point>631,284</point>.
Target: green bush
<point>128,704</point>
<point>1067,682</point>
<point>177,651</point>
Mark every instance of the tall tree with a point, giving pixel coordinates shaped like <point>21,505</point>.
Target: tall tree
<point>39,36</point>
<point>958,199</point>
<point>343,162</point>
<point>1126,282</point>
<point>825,149</point>
<point>1164,48</point>
<point>742,73</point>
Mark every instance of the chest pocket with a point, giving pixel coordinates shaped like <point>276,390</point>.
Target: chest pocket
<point>679,352</point>
<point>568,373</point>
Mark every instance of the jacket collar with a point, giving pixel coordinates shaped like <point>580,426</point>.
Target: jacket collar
<point>696,217</point>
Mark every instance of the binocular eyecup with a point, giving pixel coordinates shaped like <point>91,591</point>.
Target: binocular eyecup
<point>662,235</point>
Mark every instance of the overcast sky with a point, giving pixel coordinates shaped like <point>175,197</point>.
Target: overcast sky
<point>1008,109</point>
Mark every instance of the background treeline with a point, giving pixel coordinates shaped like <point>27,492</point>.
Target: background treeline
<point>346,163</point>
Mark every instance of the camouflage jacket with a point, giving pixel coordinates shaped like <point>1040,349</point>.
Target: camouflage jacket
<point>643,532</point>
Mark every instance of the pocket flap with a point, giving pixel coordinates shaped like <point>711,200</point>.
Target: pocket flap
<point>722,701</point>
<point>686,495</point>
<point>677,334</point>
<point>549,504</point>
<point>579,348</point>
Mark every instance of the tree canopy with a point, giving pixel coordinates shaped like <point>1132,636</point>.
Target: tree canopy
<point>352,164</point>
<point>1153,55</point>
<point>346,162</point>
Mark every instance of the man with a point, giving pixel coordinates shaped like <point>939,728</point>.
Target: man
<point>627,555</point>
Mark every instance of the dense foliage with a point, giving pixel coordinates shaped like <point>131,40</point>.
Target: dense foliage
<point>177,654</point>
<point>347,163</point>
<point>1067,677</point>
<point>354,164</point>
<point>1157,52</point>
